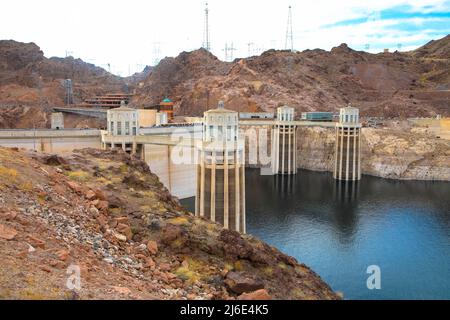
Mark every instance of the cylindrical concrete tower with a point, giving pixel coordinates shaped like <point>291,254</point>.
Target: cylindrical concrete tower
<point>221,170</point>
<point>284,142</point>
<point>347,165</point>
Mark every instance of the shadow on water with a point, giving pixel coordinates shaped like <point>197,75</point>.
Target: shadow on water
<point>340,228</point>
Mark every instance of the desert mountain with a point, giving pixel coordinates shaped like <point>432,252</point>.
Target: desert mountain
<point>30,83</point>
<point>398,84</point>
<point>107,214</point>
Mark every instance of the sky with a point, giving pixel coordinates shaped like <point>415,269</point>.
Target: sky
<point>125,36</point>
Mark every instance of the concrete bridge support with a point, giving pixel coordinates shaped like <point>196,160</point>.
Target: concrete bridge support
<point>221,188</point>
<point>221,170</point>
<point>347,165</point>
<point>284,143</point>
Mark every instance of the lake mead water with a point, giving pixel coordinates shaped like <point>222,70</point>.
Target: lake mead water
<point>340,229</point>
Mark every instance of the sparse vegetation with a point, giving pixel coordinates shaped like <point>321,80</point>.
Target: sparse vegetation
<point>78,175</point>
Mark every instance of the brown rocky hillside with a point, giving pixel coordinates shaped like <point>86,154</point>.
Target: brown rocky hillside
<point>30,83</point>
<point>107,214</point>
<point>399,84</point>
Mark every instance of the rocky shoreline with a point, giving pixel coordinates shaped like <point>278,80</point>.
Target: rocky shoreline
<point>104,216</point>
<point>385,153</point>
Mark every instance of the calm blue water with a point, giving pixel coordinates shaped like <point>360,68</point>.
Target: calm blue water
<point>339,230</point>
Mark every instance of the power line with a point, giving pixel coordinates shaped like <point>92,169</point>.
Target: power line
<point>289,34</point>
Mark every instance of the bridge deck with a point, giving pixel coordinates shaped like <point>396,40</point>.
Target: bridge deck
<point>47,133</point>
<point>327,124</point>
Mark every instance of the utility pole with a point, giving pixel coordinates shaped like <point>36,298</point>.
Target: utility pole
<point>206,40</point>
<point>289,35</point>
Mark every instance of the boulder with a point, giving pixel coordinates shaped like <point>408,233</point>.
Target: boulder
<point>171,233</point>
<point>152,247</point>
<point>36,242</point>
<point>260,294</point>
<point>234,245</point>
<point>53,160</point>
<point>90,195</point>
<point>120,237</point>
<point>62,255</point>
<point>101,205</point>
<point>122,220</point>
<point>122,290</point>
<point>125,230</point>
<point>239,282</point>
<point>99,194</point>
<point>74,186</point>
<point>7,233</point>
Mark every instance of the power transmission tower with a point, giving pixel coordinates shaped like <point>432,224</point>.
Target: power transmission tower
<point>229,51</point>
<point>226,51</point>
<point>156,52</point>
<point>69,91</point>
<point>206,41</point>
<point>250,48</point>
<point>289,34</point>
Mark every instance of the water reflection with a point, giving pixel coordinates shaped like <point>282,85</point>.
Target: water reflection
<point>345,205</point>
<point>284,185</point>
<point>340,228</point>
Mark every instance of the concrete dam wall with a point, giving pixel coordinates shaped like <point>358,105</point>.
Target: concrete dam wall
<point>52,141</point>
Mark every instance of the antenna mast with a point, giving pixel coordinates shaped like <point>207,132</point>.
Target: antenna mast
<point>206,41</point>
<point>289,35</point>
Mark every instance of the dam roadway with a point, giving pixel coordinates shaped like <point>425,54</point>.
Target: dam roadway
<point>161,144</point>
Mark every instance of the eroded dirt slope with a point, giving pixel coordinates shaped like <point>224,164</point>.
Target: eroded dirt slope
<point>106,213</point>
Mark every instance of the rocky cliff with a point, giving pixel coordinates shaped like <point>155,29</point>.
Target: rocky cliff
<point>398,84</point>
<point>30,84</point>
<point>387,153</point>
<point>105,215</point>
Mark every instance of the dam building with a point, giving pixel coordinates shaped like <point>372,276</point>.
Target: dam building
<point>57,120</point>
<point>284,142</point>
<point>347,162</point>
<point>220,194</point>
<point>123,123</point>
